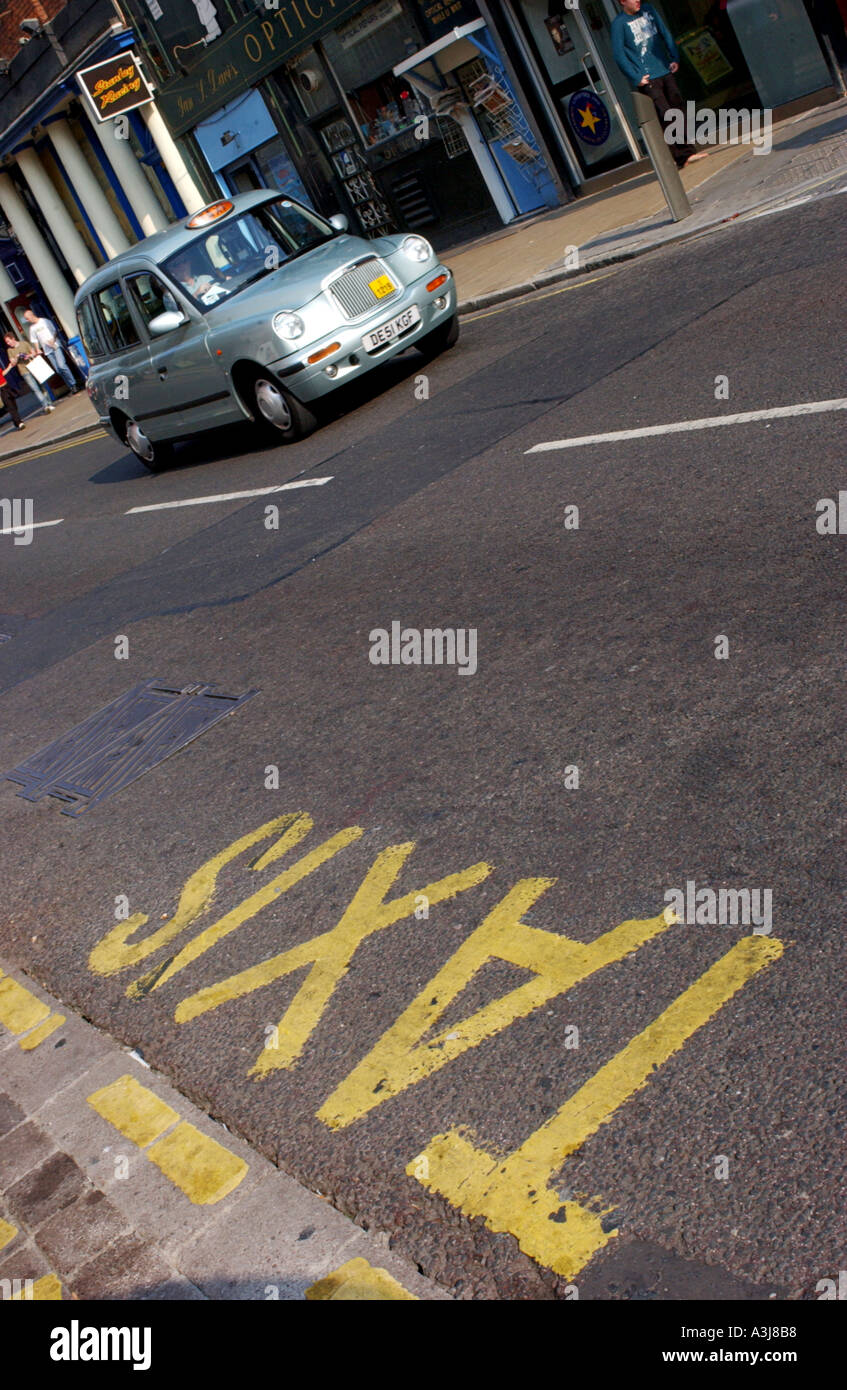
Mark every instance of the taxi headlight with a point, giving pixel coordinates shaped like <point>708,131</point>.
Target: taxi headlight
<point>417,248</point>
<point>288,325</point>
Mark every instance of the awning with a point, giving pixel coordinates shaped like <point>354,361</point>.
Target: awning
<point>424,54</point>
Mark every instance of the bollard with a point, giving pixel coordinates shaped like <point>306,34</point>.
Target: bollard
<point>661,157</point>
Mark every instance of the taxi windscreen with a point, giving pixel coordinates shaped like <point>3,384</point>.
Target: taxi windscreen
<point>227,257</point>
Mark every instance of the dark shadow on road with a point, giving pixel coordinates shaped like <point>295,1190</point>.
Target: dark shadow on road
<point>234,441</point>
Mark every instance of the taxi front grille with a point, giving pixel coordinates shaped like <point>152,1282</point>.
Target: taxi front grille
<point>352,291</point>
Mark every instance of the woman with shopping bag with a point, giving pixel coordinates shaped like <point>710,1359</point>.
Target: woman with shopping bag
<point>34,369</point>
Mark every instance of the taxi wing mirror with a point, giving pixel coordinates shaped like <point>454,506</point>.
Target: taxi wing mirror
<point>339,222</point>
<point>167,322</point>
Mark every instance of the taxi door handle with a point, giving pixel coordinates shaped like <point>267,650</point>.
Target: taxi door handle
<point>163,371</point>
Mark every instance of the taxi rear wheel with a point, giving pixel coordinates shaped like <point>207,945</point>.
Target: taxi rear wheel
<point>153,455</point>
<point>279,413</point>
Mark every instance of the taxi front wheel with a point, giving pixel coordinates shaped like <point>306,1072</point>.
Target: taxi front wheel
<point>280,414</point>
<point>155,455</point>
<point>439,339</point>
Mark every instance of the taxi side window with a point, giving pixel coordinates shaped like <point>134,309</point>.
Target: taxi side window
<point>151,296</point>
<point>90,331</point>
<point>117,319</point>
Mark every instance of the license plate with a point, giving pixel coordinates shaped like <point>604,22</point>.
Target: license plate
<point>382,286</point>
<point>387,332</point>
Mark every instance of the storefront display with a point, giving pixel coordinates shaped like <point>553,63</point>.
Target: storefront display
<point>359,136</point>
<point>344,149</point>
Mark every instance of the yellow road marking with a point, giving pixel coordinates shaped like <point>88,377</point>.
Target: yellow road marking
<point>115,952</point>
<point>271,891</point>
<point>7,1233</point>
<point>400,1059</point>
<point>201,1167</point>
<point>136,1112</point>
<point>47,1289</point>
<point>19,1010</point>
<point>358,1281</point>
<point>513,1194</point>
<point>535,297</point>
<point>329,954</point>
<point>57,448</point>
<point>44,1030</point>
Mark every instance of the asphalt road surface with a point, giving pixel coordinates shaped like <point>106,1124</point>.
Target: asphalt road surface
<point>529,1101</point>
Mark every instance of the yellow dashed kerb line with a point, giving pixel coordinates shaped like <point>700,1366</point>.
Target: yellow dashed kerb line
<point>199,1166</point>
<point>138,1113</point>
<point>7,1233</point>
<point>19,1010</point>
<point>24,1015</point>
<point>359,1282</point>
<point>47,1289</point>
<point>44,1030</point>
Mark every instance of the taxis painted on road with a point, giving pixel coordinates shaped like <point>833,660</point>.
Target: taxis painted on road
<point>253,308</point>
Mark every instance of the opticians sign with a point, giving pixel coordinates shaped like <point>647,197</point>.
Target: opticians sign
<point>114,87</point>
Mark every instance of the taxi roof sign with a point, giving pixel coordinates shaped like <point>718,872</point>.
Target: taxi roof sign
<point>211,213</point>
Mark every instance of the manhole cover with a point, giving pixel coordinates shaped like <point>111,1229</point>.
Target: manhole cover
<point>121,742</point>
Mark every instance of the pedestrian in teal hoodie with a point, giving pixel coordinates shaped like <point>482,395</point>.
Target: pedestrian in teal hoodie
<point>646,53</point>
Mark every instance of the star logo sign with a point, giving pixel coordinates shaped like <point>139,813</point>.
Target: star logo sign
<point>589,118</point>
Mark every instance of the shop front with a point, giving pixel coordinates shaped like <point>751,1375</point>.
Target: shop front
<point>739,54</point>
<point>325,100</point>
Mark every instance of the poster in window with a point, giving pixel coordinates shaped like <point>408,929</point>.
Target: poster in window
<point>562,41</point>
<point>705,56</point>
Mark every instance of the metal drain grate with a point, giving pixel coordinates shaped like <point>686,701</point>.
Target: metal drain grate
<point>121,742</point>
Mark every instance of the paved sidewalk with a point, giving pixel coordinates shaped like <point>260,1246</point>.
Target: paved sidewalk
<point>809,154</point>
<point>73,416</point>
<point>632,218</point>
<point>113,1186</point>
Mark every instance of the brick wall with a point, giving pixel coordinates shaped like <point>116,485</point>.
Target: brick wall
<point>15,11</point>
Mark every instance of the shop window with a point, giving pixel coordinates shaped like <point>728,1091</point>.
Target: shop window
<point>117,319</point>
<point>176,32</point>
<point>713,65</point>
<point>362,53</point>
<point>371,43</point>
<point>344,149</point>
<point>277,170</point>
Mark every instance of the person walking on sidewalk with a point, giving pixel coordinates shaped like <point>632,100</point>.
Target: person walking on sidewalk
<point>43,334</point>
<point>7,396</point>
<point>20,353</point>
<point>646,53</point>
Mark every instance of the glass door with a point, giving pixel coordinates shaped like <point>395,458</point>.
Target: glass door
<point>573,50</point>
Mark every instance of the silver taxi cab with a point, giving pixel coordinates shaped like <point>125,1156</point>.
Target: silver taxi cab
<point>252,308</point>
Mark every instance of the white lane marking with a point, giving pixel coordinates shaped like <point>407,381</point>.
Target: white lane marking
<point>680,426</point>
<point>229,496</point>
<point>29,526</point>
